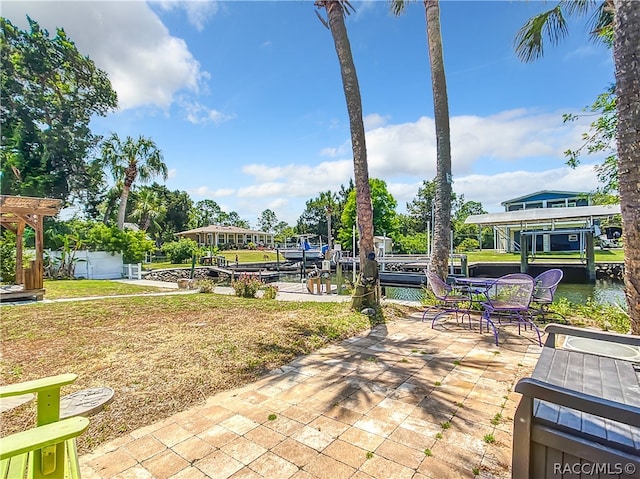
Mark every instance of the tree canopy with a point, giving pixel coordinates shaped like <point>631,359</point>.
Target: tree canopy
<point>384,212</point>
<point>49,92</point>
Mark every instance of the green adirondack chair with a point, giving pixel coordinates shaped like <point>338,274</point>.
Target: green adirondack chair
<point>47,451</point>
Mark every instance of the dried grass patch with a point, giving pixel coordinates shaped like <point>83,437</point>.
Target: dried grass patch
<point>161,354</point>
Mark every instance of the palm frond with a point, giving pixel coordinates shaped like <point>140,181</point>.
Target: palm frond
<point>529,42</point>
<point>398,7</point>
<point>577,7</point>
<point>347,7</point>
<point>601,20</point>
<point>324,22</point>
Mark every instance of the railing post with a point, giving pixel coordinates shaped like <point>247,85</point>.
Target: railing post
<point>139,270</point>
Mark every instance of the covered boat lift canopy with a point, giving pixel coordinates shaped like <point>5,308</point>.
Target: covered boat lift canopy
<point>17,212</point>
<point>578,220</point>
<point>539,217</point>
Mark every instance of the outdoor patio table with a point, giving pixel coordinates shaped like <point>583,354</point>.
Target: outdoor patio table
<point>477,286</point>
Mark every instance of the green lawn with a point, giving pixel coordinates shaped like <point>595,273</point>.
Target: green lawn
<point>485,256</point>
<point>82,288</point>
<point>244,256</point>
<point>163,354</point>
<point>489,256</point>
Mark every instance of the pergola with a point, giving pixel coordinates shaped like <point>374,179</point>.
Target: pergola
<point>17,212</point>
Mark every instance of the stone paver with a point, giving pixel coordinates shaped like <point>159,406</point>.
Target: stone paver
<point>401,400</point>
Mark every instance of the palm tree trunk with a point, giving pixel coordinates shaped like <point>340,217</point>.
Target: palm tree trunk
<point>442,229</point>
<point>122,207</point>
<point>627,61</point>
<point>365,292</point>
<point>354,107</point>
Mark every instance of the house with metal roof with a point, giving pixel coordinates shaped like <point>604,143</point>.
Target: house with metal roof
<point>548,221</point>
<point>548,199</point>
<point>553,220</point>
<point>228,236</point>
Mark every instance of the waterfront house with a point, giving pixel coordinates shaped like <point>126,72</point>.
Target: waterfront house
<point>550,220</point>
<point>228,237</point>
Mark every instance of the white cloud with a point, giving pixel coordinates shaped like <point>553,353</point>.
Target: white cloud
<point>404,155</point>
<point>277,204</point>
<point>410,148</point>
<point>172,173</point>
<point>491,190</point>
<point>331,152</point>
<point>404,192</point>
<point>198,11</point>
<point>206,192</point>
<point>147,66</point>
<point>296,180</point>
<point>374,120</point>
<point>197,113</point>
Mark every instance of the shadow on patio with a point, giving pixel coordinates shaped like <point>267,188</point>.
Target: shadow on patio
<point>403,400</point>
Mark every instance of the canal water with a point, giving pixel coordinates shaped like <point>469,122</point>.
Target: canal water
<point>603,291</point>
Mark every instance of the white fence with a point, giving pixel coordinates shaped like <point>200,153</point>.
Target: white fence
<point>132,271</point>
<point>95,264</point>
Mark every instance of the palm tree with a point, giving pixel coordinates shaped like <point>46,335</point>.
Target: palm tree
<point>624,16</point>
<point>147,209</point>
<point>336,11</point>
<point>442,216</point>
<point>552,24</point>
<point>129,161</point>
<point>626,53</point>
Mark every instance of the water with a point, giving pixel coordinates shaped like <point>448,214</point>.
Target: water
<point>602,292</point>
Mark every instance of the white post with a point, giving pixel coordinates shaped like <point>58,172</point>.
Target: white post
<point>129,272</point>
<point>139,271</point>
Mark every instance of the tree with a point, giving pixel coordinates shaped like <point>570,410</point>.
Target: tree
<point>420,209</point>
<point>600,138</point>
<point>320,215</point>
<point>178,205</point>
<point>624,15</point>
<point>626,53</point>
<point>267,221</point>
<point>552,25</point>
<point>49,92</point>
<point>233,219</point>
<point>205,213</point>
<point>384,212</point>
<point>282,232</point>
<point>147,209</point>
<point>336,11</point>
<point>442,228</point>
<point>462,232</point>
<point>129,161</point>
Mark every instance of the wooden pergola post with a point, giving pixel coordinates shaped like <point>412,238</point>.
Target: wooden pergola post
<point>16,212</point>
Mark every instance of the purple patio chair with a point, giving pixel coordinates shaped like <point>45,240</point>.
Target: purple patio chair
<point>449,299</point>
<point>509,298</point>
<point>543,293</point>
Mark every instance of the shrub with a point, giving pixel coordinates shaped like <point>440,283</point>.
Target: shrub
<point>246,286</point>
<point>8,257</point>
<point>206,285</point>
<point>468,244</point>
<point>180,251</point>
<point>269,291</point>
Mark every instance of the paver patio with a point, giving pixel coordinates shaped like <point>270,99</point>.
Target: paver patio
<point>400,401</point>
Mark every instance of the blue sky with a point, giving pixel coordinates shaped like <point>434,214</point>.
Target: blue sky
<point>245,98</point>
